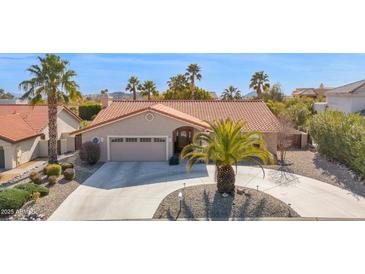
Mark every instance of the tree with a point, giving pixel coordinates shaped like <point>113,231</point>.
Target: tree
<point>226,145</point>
<point>51,79</point>
<point>260,82</point>
<point>200,94</point>
<point>284,140</point>
<point>148,88</point>
<point>178,83</point>
<point>5,95</point>
<point>192,72</point>
<point>132,86</point>
<point>231,93</point>
<point>275,93</point>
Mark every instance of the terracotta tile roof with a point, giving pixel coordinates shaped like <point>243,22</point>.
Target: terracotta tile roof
<point>254,112</point>
<point>27,120</point>
<point>15,128</point>
<point>352,88</point>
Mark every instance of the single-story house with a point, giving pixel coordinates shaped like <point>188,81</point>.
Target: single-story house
<point>347,98</point>
<point>155,130</point>
<point>24,132</point>
<point>310,92</point>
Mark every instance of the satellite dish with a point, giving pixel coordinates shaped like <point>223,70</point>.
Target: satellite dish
<point>96,140</point>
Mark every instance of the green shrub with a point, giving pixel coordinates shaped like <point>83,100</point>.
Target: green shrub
<point>12,199</point>
<point>69,174</point>
<point>35,177</point>
<point>53,170</point>
<point>31,187</point>
<point>341,137</point>
<point>87,111</point>
<point>52,180</point>
<point>66,166</point>
<point>90,152</point>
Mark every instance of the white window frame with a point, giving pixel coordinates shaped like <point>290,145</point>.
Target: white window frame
<point>137,136</point>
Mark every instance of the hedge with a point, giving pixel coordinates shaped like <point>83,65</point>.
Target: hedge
<point>88,111</point>
<point>341,137</point>
<point>12,199</point>
<point>31,187</point>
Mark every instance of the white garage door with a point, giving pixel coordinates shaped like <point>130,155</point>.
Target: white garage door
<point>137,148</point>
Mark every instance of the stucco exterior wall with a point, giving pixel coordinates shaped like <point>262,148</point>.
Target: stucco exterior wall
<point>21,152</point>
<point>347,104</point>
<point>271,140</point>
<point>136,126</point>
<point>65,124</point>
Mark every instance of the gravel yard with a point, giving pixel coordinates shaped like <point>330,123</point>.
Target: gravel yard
<point>203,201</point>
<point>45,206</point>
<point>314,165</point>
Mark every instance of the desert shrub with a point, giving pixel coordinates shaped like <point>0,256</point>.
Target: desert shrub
<point>31,187</point>
<point>35,196</point>
<point>35,177</point>
<point>69,174</point>
<point>52,180</point>
<point>90,153</point>
<point>174,160</point>
<point>66,165</point>
<point>89,110</point>
<point>299,115</point>
<point>12,199</point>
<point>53,170</point>
<point>341,137</point>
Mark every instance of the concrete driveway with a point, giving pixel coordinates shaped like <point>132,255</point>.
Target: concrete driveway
<point>133,190</point>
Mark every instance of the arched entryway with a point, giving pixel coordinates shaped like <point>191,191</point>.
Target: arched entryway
<point>182,136</point>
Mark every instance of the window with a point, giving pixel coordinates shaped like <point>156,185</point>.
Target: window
<point>145,140</point>
<point>117,140</point>
<point>159,140</point>
<point>131,140</point>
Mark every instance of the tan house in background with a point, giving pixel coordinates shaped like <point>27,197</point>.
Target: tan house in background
<point>24,132</point>
<point>155,130</point>
<point>310,92</point>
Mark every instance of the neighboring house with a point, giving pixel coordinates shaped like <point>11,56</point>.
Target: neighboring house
<point>155,130</point>
<point>310,92</point>
<point>347,98</point>
<point>24,133</point>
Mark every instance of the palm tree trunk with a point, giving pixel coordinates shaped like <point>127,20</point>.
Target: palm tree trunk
<point>134,95</point>
<point>225,179</point>
<point>52,129</point>
<point>149,96</point>
<point>192,88</point>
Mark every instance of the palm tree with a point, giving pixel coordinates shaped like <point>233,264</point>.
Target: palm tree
<point>231,93</point>
<point>178,83</point>
<point>132,86</point>
<point>260,82</point>
<point>53,80</point>
<point>148,88</point>
<point>226,145</point>
<point>192,72</point>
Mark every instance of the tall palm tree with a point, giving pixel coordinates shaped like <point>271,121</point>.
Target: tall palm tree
<point>148,88</point>
<point>51,79</point>
<point>192,72</point>
<point>231,93</point>
<point>226,145</point>
<point>178,83</point>
<point>132,86</point>
<point>260,82</point>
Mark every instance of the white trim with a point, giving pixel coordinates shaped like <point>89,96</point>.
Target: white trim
<point>139,113</point>
<point>138,136</point>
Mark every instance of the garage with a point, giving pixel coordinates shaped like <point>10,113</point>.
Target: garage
<point>146,148</point>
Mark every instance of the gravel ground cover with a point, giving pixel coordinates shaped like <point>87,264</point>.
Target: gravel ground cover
<point>204,202</point>
<point>316,166</point>
<point>45,206</point>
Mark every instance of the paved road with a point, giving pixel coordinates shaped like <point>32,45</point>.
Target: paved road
<point>133,190</point>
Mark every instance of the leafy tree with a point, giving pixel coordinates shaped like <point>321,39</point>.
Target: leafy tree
<point>299,114</point>
<point>226,146</point>
<point>51,79</point>
<point>148,88</point>
<point>5,95</point>
<point>193,72</point>
<point>259,82</point>
<point>132,86</point>
<point>231,93</point>
<point>275,93</point>
<point>178,83</point>
<point>276,107</point>
<point>200,94</point>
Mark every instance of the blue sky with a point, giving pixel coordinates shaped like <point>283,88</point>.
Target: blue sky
<point>111,71</point>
